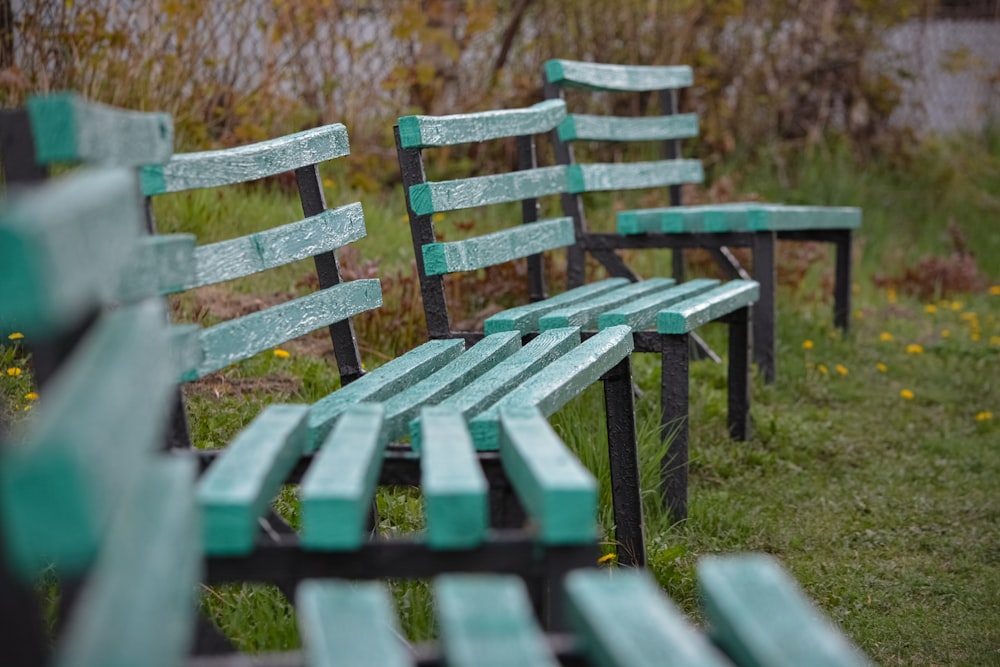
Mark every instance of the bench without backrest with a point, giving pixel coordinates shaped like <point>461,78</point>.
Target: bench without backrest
<point>600,307</point>
<point>713,227</point>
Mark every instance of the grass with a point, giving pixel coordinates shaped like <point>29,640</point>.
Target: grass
<point>874,467</point>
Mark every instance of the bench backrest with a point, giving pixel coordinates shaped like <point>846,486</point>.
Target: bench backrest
<point>68,129</point>
<point>83,491</point>
<point>527,184</point>
<point>666,129</point>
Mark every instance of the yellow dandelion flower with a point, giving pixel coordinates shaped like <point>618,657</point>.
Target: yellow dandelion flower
<point>859,314</point>
<point>31,396</point>
<point>807,345</point>
<point>841,369</point>
<point>907,394</point>
<point>945,333</point>
<point>956,305</point>
<point>969,316</point>
<point>328,182</point>
<point>930,308</point>
<point>27,407</point>
<point>437,217</point>
<point>882,368</point>
<point>607,558</point>
<point>14,371</point>
<point>823,370</point>
<point>984,416</point>
<point>913,348</point>
<point>281,354</point>
<point>890,294</point>
<point>17,335</point>
<point>974,335</point>
<point>994,340</point>
<point>995,290</point>
<point>885,337</point>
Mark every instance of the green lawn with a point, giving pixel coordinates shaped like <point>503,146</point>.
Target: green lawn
<point>873,472</point>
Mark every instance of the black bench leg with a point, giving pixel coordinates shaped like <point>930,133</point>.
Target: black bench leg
<point>843,280</point>
<point>22,633</point>
<point>739,374</point>
<point>623,454</point>
<point>677,264</point>
<point>675,361</point>
<point>764,272</point>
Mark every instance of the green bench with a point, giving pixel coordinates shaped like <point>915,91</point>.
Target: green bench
<point>713,227</point>
<point>478,382</point>
<point>660,314</point>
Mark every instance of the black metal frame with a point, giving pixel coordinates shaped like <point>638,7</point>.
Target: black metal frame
<point>618,396</point>
<point>761,244</point>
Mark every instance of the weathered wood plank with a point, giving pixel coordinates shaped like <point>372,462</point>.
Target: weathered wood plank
<point>633,175</point>
<point>162,264</point>
<point>381,383</point>
<point>427,131</point>
<point>349,624</point>
<point>185,348</point>
<point>456,494</point>
<point>759,616</point>
<point>63,248</point>
<point>57,490</point>
<point>139,603</point>
<point>624,620</point>
<point>583,127</point>
<point>338,488</point>
<point>600,76</point>
<point>525,318</point>
<point>498,247</point>
<point>641,313</point>
<point>553,387</point>
<point>691,313</point>
<point>277,246</point>
<point>556,490</point>
<point>584,314</point>
<point>208,169</point>
<point>67,128</point>
<point>240,485</point>
<point>241,338</point>
<point>737,217</point>
<point>440,196</point>
<point>403,407</point>
<point>503,378</point>
<point>487,620</point>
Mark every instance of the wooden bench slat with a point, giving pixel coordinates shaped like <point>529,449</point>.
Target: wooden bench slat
<point>475,191</point>
<point>625,620</point>
<point>525,318</point>
<point>57,489</point>
<point>737,217</point>
<point>426,131</point>
<point>633,175</point>
<point>67,128</point>
<point>185,347</point>
<point>240,485</point>
<point>139,603</point>
<point>584,127</point>
<point>584,314</point>
<point>241,338</point>
<point>563,379</point>
<point>456,501</point>
<point>62,249</point>
<point>759,616</point>
<point>556,490</point>
<point>207,169</point>
<point>599,76</point>
<point>381,383</point>
<point>487,620</point>
<point>481,357</point>
<point>497,247</point>
<point>349,624</point>
<point>162,264</point>
<point>641,313</point>
<point>690,314</point>
<point>338,488</point>
<point>246,255</point>
<point>506,376</point>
